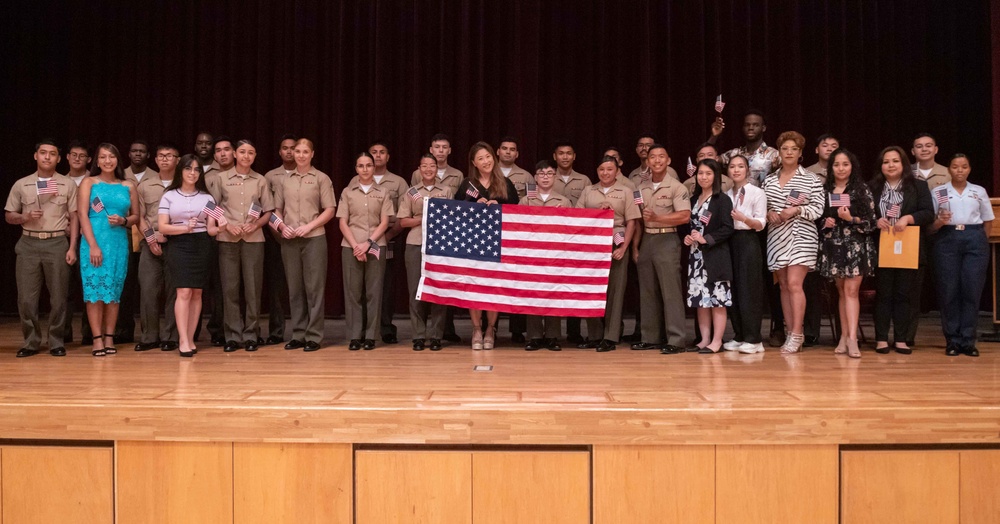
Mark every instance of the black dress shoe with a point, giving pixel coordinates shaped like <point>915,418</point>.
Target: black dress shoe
<point>643,346</point>
<point>588,344</point>
<point>354,345</point>
<point>218,342</point>
<point>369,344</point>
<point>390,339</point>
<point>575,339</point>
<point>251,345</point>
<point>810,341</point>
<point>534,344</point>
<point>272,340</point>
<point>883,351</point>
<point>452,337</point>
<point>146,346</point>
<point>436,344</point>
<point>231,345</point>
<point>971,351</point>
<point>552,344</point>
<point>58,352</point>
<point>953,350</point>
<point>295,344</point>
<point>904,351</point>
<point>418,344</point>
<point>708,351</point>
<point>26,352</point>
<point>606,345</point>
<point>168,346</point>
<point>671,350</point>
<point>187,354</point>
<point>310,346</point>
<point>517,338</point>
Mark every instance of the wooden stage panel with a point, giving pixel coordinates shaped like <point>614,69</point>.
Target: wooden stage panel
<point>980,486</point>
<point>396,396</point>
<point>419,487</point>
<point>175,482</point>
<point>292,483</point>
<point>900,486</point>
<point>531,487</point>
<point>654,484</point>
<point>68,485</point>
<point>767,484</point>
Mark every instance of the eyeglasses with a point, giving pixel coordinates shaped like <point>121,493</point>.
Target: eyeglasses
<point>167,156</point>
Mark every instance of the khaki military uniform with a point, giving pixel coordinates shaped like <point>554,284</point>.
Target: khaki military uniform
<point>154,279</point>
<point>426,319</point>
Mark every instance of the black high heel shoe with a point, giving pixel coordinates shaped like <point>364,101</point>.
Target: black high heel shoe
<point>110,350</point>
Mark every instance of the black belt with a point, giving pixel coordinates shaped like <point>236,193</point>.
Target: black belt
<point>962,227</point>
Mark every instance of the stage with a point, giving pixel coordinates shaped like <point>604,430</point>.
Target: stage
<point>377,426</point>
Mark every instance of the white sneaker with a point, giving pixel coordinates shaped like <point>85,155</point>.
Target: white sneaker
<point>732,345</point>
<point>749,348</point>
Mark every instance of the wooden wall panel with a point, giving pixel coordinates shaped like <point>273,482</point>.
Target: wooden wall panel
<point>292,483</point>
<point>531,487</point>
<point>900,486</point>
<point>175,482</point>
<point>413,487</point>
<point>57,484</point>
<point>767,484</point>
<point>979,479</point>
<point>654,484</point>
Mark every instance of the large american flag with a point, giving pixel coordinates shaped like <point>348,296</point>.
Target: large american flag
<point>517,259</point>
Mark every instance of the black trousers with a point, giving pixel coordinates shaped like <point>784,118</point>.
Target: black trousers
<point>748,289</point>
<point>277,287</point>
<point>812,286</point>
<point>125,327</point>
<point>896,296</point>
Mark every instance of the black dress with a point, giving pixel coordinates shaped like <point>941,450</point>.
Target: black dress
<point>848,250</point>
<point>468,188</point>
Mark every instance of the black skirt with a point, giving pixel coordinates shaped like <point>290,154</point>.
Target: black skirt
<point>188,257</point>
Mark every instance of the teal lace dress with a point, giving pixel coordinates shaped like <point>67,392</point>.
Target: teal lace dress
<point>104,284</point>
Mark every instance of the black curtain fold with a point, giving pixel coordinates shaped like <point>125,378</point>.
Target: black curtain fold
<point>594,72</point>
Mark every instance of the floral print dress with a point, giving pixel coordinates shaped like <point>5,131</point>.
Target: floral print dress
<point>701,292</point>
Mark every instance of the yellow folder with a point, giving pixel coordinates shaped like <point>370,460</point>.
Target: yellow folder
<point>900,250</point>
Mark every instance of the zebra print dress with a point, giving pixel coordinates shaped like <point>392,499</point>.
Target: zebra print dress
<point>795,242</point>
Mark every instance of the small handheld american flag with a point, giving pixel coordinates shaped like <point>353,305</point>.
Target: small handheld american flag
<point>97,205</point>
<point>942,197</point>
<point>275,222</point>
<point>149,235</point>
<point>255,209</point>
<point>690,169</point>
<point>719,104</point>
<point>374,249</point>
<point>532,191</point>
<point>796,198</point>
<point>705,217</point>
<point>472,192</point>
<point>414,194</point>
<point>840,200</point>
<point>619,238</point>
<point>893,211</point>
<point>47,187</point>
<point>214,211</point>
<point>637,197</point>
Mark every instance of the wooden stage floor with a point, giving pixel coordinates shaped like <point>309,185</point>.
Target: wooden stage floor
<point>393,395</point>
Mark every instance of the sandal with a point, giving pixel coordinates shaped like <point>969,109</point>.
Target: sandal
<point>109,350</point>
<point>842,347</point>
<point>490,339</point>
<point>99,352</point>
<point>477,338</point>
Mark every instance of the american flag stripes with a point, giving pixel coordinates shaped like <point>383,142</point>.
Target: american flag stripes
<point>690,168</point>
<point>517,259</point>
<point>942,196</point>
<point>796,198</point>
<point>47,187</point>
<point>532,191</point>
<point>705,217</point>
<point>719,104</point>
<point>97,205</point>
<point>472,192</point>
<point>275,222</point>
<point>149,235</point>
<point>255,210</point>
<point>893,211</point>
<point>374,249</point>
<point>414,194</point>
<point>637,197</point>
<point>619,238</point>
<point>840,200</point>
<point>214,211</point>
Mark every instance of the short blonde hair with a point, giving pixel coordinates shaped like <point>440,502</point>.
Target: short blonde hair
<point>792,136</point>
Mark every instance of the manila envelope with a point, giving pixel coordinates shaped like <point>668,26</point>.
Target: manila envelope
<point>900,250</point>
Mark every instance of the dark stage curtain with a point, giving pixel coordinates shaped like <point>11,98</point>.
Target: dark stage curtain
<point>597,73</point>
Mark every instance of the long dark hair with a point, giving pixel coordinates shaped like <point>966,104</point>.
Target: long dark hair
<point>178,181</point>
<point>95,168</point>
<point>716,180</point>
<point>498,182</point>
<point>878,179</point>
<point>853,181</point>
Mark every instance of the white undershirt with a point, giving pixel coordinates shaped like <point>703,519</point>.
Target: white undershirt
<point>365,188</point>
<point>506,171</point>
<point>440,174</point>
<point>165,182</point>
<point>605,190</point>
<point>77,179</point>
<point>656,185</point>
<point>138,176</point>
<point>544,197</point>
<point>924,173</point>
<point>378,178</point>
<point>565,178</point>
